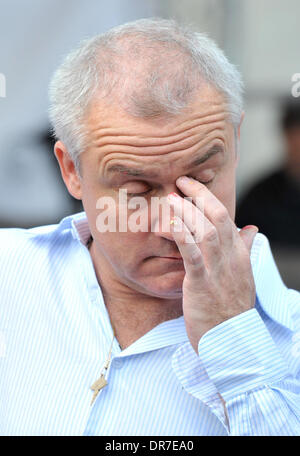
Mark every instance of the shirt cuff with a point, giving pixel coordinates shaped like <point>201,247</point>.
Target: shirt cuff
<point>240,355</point>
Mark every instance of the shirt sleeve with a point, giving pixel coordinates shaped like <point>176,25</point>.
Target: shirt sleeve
<point>242,376</point>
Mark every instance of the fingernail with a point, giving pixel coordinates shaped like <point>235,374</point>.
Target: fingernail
<point>248,227</point>
<point>185,179</point>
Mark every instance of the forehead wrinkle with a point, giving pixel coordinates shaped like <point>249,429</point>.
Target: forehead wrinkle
<point>186,145</point>
<point>181,145</point>
<point>182,130</point>
<point>154,141</point>
<point>140,170</point>
<point>141,131</point>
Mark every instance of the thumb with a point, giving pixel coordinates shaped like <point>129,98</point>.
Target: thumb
<point>248,234</point>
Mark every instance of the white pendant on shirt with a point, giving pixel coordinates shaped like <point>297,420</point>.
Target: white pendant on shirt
<point>97,386</point>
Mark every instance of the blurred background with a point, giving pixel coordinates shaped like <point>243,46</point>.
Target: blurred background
<point>260,36</point>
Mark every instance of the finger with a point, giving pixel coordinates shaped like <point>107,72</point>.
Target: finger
<point>212,208</point>
<point>203,232</point>
<point>191,254</point>
<point>191,216</point>
<point>247,234</point>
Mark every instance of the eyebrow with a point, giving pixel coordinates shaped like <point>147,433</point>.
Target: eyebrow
<point>140,172</point>
<point>210,153</point>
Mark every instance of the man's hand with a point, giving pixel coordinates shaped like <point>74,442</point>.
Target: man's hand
<point>218,283</point>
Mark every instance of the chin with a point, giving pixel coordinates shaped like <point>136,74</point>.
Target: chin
<point>166,286</point>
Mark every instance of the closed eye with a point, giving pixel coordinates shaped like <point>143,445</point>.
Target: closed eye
<point>149,190</point>
<point>202,181</point>
<point>205,182</point>
<point>138,194</point>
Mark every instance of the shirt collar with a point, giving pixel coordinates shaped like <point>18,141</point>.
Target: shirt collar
<point>271,292</point>
<point>80,227</point>
<point>77,224</point>
<point>167,333</point>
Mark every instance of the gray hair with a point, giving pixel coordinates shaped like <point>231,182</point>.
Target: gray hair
<point>151,67</point>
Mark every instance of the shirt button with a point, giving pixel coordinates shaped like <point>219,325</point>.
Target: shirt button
<point>118,363</point>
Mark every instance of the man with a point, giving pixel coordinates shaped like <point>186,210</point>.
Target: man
<point>120,321</point>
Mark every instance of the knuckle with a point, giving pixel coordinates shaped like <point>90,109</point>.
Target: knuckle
<point>195,258</point>
<point>220,215</point>
<point>211,234</point>
<point>198,236</point>
<point>182,237</point>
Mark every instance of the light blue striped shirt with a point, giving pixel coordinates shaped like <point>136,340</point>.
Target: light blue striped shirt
<point>55,335</point>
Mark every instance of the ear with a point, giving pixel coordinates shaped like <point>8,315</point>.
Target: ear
<point>68,171</point>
